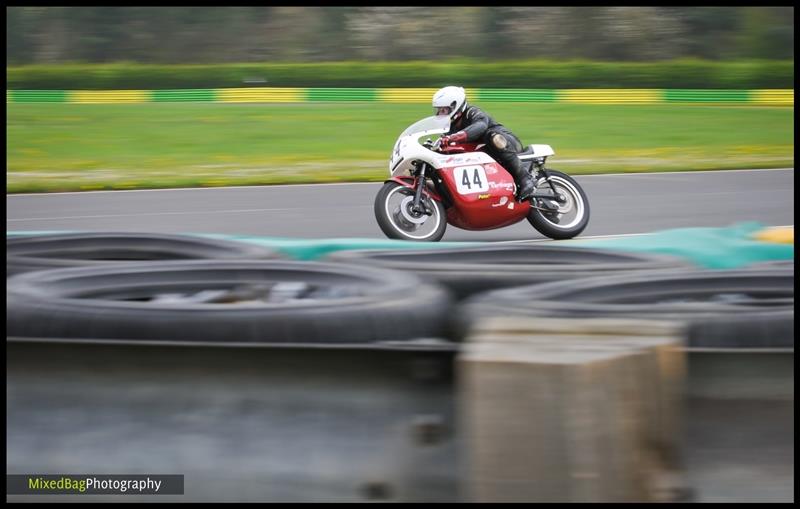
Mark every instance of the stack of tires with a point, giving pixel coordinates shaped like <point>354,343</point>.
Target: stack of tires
<point>472,270</point>
<point>550,344</point>
<point>730,393</point>
<point>657,339</point>
<point>742,308</point>
<point>258,378</point>
<point>124,286</point>
<point>26,253</point>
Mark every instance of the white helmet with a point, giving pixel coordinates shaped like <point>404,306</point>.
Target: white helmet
<point>450,101</point>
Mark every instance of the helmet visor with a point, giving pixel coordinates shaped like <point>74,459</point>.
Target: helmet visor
<point>443,110</point>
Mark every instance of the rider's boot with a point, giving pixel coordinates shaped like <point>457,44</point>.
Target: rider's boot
<point>526,187</point>
<point>525,184</point>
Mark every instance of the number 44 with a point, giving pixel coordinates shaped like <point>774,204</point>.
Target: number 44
<point>476,179</point>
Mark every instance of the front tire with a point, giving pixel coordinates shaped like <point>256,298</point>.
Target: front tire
<point>572,215</point>
<point>397,220</point>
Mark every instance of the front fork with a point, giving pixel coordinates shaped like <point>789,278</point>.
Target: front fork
<point>417,206</point>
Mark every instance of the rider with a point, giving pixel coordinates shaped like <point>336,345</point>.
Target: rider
<point>471,124</point>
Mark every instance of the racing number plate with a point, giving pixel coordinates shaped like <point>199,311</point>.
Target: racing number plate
<point>470,179</point>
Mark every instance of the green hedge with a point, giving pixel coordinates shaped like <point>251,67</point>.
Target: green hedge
<point>532,74</point>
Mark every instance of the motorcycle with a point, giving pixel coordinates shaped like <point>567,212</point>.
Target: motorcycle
<point>431,186</point>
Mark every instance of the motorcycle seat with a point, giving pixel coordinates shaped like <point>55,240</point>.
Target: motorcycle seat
<point>534,151</point>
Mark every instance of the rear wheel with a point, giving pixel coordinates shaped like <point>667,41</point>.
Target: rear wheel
<point>393,210</point>
<point>568,216</point>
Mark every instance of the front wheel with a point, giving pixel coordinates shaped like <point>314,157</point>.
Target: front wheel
<point>393,210</point>
<point>567,216</point>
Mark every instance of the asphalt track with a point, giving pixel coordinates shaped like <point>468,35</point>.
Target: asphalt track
<point>620,204</point>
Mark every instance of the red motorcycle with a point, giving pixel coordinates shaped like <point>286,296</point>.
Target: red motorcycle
<point>433,185</point>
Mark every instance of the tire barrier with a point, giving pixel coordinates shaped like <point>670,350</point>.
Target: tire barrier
<point>739,329</point>
<point>546,398</point>
<point>52,251</point>
<point>554,402</point>
<point>247,301</point>
<point>737,308</point>
<point>470,270</point>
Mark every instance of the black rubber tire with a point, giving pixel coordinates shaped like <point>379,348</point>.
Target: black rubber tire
<point>385,222</point>
<point>708,301</point>
<point>469,270</point>
<point>554,231</point>
<point>100,303</point>
<point>54,251</point>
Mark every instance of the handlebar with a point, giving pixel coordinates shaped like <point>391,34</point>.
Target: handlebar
<point>436,146</point>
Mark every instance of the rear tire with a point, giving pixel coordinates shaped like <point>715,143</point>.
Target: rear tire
<point>397,221</point>
<point>559,226</point>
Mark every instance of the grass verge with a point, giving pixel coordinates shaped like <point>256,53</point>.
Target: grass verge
<point>72,147</point>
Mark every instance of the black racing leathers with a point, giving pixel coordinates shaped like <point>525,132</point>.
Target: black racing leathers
<point>500,143</point>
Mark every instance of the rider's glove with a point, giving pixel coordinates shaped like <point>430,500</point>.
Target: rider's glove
<point>458,137</point>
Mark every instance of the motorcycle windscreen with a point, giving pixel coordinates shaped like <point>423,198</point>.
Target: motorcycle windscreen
<point>428,125</point>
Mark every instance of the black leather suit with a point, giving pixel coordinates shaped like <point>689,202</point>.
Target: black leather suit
<point>501,143</point>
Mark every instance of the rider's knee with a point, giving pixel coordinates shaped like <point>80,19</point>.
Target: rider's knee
<point>499,141</point>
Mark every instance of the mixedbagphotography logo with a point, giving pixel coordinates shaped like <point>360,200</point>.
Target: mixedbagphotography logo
<point>94,484</point>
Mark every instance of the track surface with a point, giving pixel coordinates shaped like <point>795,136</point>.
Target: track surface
<point>620,204</point>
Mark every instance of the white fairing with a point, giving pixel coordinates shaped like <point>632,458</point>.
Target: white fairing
<point>408,148</point>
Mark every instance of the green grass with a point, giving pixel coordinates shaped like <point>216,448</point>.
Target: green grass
<point>60,147</point>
